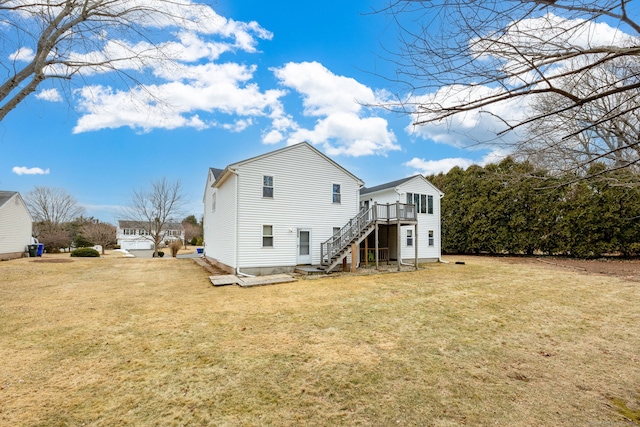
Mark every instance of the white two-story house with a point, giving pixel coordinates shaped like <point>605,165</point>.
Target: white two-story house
<point>270,213</point>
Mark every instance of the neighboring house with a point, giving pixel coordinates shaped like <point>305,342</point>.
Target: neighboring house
<point>422,234</point>
<point>131,235</point>
<point>269,213</point>
<point>15,225</point>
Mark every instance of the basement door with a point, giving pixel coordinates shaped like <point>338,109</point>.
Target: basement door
<point>304,246</point>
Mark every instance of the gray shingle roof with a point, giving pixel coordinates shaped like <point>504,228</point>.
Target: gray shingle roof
<point>216,172</point>
<point>385,186</point>
<point>6,195</point>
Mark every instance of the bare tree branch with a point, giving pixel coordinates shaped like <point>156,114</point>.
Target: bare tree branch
<point>153,209</point>
<point>62,39</point>
<point>469,57</point>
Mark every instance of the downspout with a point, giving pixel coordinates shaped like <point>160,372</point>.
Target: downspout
<point>238,272</point>
<point>440,233</point>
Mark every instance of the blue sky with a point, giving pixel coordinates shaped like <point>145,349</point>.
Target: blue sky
<point>281,72</point>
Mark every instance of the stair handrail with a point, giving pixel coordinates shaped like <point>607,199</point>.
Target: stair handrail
<point>342,238</point>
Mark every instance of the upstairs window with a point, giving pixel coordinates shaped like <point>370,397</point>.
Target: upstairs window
<point>430,204</point>
<point>423,203</point>
<point>336,193</point>
<point>213,202</point>
<point>267,236</point>
<point>267,186</point>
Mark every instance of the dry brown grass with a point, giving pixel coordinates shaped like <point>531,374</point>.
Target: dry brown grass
<point>116,341</point>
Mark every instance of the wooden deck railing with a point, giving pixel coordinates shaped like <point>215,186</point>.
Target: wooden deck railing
<point>383,255</point>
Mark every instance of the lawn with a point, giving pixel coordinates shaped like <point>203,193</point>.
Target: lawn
<point>149,342</point>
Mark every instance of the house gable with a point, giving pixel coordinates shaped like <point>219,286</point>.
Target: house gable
<point>271,198</point>
<point>223,174</point>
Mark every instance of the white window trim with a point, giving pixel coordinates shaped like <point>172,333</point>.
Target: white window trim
<point>339,193</point>
<point>266,235</point>
<point>273,186</point>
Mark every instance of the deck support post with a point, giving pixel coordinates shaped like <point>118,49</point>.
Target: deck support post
<point>377,248</point>
<point>366,252</point>
<point>354,258</point>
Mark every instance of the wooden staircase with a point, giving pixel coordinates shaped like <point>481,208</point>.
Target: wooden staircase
<point>334,250</point>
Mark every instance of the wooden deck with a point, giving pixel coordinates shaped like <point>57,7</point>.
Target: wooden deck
<point>368,221</point>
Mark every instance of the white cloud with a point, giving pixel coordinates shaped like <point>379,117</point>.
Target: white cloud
<point>207,88</point>
<point>238,125</point>
<point>467,129</point>
<point>51,95</point>
<point>23,170</point>
<point>428,167</point>
<point>344,126</point>
<point>272,137</point>
<point>23,54</point>
<point>323,92</point>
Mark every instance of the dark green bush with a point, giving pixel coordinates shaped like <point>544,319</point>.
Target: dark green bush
<point>85,252</point>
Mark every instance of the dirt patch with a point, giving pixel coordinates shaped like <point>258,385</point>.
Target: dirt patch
<point>628,269</point>
<point>52,260</point>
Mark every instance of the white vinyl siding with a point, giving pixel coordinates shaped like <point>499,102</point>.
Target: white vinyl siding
<point>219,227</point>
<point>304,201</point>
<point>15,226</point>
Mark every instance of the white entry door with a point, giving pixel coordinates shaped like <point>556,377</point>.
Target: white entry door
<point>304,246</point>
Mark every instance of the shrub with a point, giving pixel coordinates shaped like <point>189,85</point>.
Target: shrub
<point>175,247</point>
<point>85,252</point>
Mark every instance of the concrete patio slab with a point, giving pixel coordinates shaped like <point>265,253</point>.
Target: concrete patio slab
<point>272,279</point>
<point>226,279</point>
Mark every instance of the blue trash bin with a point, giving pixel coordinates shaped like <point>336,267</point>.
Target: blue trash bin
<point>40,249</point>
<point>199,250</point>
